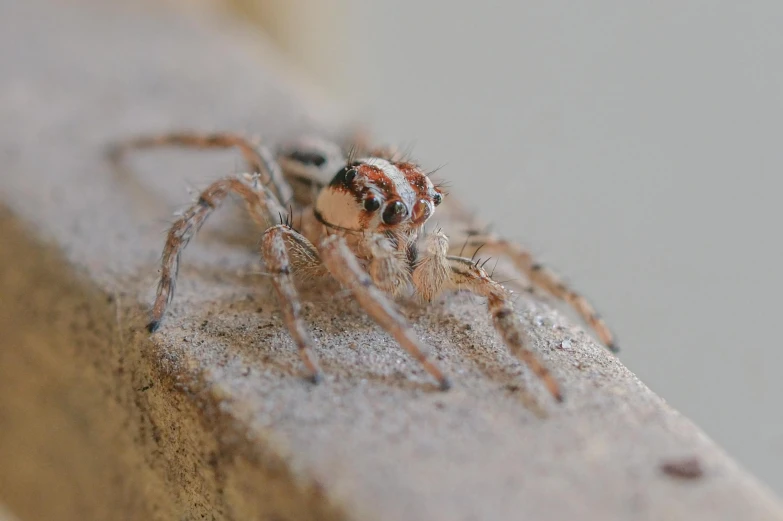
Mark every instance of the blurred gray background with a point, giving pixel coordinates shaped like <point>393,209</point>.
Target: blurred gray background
<point>635,146</point>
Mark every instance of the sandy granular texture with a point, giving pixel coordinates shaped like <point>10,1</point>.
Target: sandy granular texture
<point>210,418</point>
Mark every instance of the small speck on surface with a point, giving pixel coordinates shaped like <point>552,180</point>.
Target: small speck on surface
<point>685,468</point>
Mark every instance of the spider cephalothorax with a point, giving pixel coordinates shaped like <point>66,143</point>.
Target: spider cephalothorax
<point>362,224</point>
<point>375,194</point>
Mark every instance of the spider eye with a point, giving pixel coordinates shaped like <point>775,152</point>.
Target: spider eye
<point>394,213</point>
<point>344,177</point>
<point>437,199</point>
<point>371,204</point>
<point>421,211</point>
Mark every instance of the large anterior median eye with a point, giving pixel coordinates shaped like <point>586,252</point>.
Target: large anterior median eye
<point>394,213</point>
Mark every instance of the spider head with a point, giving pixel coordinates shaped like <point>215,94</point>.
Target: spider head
<point>374,194</point>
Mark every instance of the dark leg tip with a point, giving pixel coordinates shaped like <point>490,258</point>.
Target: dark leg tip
<point>559,397</point>
<point>614,348</point>
<point>315,378</point>
<point>445,384</point>
<point>153,326</point>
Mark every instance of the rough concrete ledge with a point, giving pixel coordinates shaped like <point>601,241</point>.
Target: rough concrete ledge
<point>209,419</point>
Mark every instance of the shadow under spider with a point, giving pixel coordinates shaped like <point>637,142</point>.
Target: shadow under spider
<point>242,318</point>
<point>259,348</point>
<point>463,338</point>
<point>435,318</point>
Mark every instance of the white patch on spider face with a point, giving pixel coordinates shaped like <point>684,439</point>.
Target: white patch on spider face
<point>337,205</point>
<point>339,208</point>
<point>401,184</point>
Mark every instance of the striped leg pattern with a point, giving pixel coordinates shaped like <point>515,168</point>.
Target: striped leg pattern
<point>261,204</point>
<point>345,268</point>
<point>259,159</point>
<point>541,277</point>
<point>275,245</point>
<point>466,274</point>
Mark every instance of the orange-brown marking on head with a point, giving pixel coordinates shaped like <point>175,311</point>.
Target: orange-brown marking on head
<point>378,178</point>
<point>415,177</point>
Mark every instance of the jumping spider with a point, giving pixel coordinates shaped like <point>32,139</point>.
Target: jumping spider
<point>363,217</point>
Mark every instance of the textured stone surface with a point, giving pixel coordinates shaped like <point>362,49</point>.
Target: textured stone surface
<point>210,418</point>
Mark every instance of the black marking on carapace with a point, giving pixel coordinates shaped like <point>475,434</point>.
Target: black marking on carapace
<point>344,177</point>
<point>307,158</point>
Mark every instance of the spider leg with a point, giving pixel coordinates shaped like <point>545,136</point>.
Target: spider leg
<point>258,158</point>
<point>544,278</point>
<point>345,268</point>
<point>261,204</point>
<point>432,269</point>
<point>468,275</point>
<point>280,264</point>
